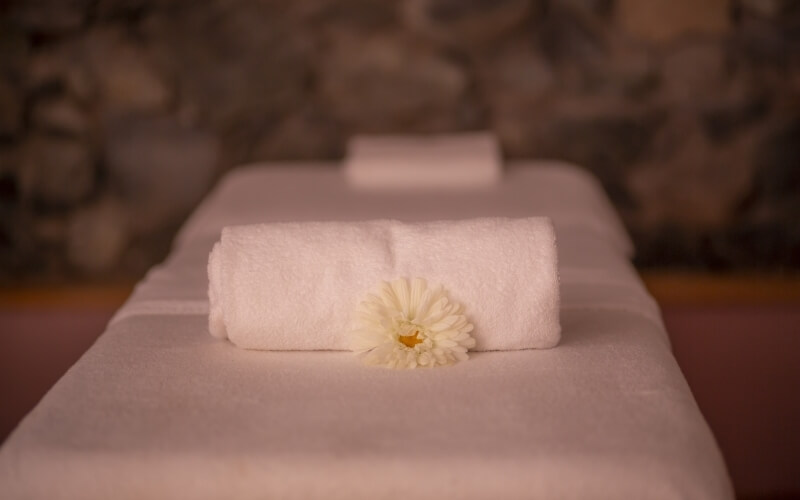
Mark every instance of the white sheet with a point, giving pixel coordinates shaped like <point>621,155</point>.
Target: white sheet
<point>159,409</point>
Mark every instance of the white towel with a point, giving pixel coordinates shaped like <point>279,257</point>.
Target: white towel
<point>445,162</point>
<point>294,286</point>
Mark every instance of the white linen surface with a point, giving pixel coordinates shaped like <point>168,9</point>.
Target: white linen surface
<point>158,408</point>
<point>425,162</point>
<point>566,193</point>
<point>295,285</point>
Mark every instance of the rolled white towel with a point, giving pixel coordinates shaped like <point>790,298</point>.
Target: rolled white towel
<point>445,162</point>
<point>295,286</point>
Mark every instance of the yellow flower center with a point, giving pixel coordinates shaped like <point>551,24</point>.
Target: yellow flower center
<point>409,340</point>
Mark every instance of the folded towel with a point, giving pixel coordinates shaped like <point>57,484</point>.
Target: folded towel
<point>451,162</point>
<point>295,286</point>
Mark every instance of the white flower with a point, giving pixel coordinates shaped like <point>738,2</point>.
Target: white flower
<point>408,325</point>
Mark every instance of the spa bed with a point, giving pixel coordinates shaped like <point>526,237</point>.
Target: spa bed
<point>158,408</point>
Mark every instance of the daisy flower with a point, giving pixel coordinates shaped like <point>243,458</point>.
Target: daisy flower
<point>405,325</point>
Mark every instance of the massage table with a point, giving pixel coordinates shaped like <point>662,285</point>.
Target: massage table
<point>158,408</point>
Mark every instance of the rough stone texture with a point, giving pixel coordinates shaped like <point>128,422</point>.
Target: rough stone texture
<point>626,70</point>
<point>330,19</point>
<point>8,163</point>
<point>159,168</point>
<point>232,60</point>
<point>666,20</point>
<point>583,132</point>
<point>569,36</point>
<point>733,109</point>
<point>13,58</point>
<point>694,72</point>
<point>50,16</point>
<point>56,171</point>
<point>10,108</point>
<point>465,22</point>
<point>62,70</point>
<point>97,236</point>
<point>308,134</point>
<point>712,183</point>
<point>120,10</point>
<point>765,8</point>
<point>519,74</point>
<point>59,115</point>
<point>127,79</point>
<point>778,162</point>
<point>387,81</point>
<point>117,115</point>
<point>51,228</point>
<point>103,69</point>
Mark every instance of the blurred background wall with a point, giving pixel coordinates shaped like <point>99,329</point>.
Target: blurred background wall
<point>116,116</point>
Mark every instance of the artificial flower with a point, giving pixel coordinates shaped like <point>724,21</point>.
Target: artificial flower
<point>405,325</point>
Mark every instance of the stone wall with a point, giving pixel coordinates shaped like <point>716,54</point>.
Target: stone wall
<point>116,116</point>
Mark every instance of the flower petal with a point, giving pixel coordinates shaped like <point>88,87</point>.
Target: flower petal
<point>402,309</point>
<point>418,286</point>
<point>401,291</point>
